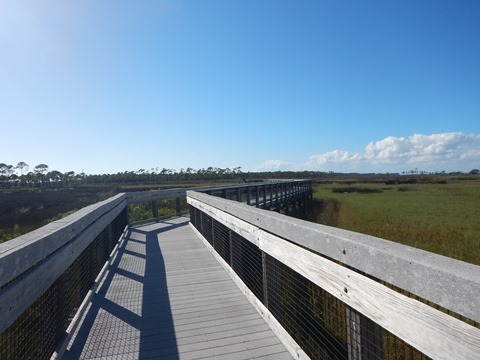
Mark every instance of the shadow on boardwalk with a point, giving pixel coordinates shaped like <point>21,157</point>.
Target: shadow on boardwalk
<point>131,313</point>
<point>167,297</point>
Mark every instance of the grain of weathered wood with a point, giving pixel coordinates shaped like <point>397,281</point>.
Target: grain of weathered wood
<point>434,333</point>
<point>429,330</point>
<point>241,227</point>
<point>282,334</point>
<point>18,296</point>
<point>166,296</point>
<point>447,282</point>
<point>21,253</point>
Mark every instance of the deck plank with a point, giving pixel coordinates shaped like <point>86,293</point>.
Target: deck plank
<point>166,296</point>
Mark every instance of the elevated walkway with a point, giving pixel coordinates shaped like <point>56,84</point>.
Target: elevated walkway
<point>165,296</point>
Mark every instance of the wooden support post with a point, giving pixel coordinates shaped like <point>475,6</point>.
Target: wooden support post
<point>364,337</point>
<point>276,195</point>
<point>264,196</point>
<point>213,234</point>
<point>248,195</point>
<point>271,194</point>
<point>178,204</point>
<point>257,196</point>
<point>155,209</point>
<point>354,340</point>
<point>264,279</point>
<point>230,243</point>
<point>239,198</point>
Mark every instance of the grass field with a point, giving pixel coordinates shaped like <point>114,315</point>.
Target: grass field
<point>441,218</point>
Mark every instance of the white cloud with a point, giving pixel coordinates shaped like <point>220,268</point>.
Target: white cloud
<point>450,151</point>
<point>273,165</point>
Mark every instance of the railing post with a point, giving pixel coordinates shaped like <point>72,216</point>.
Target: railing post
<point>248,195</point>
<point>239,198</point>
<point>264,279</point>
<point>178,205</point>
<point>257,196</point>
<point>364,337</point>
<point>276,194</point>
<point>264,192</point>
<point>271,194</point>
<point>354,340</point>
<point>230,242</point>
<point>154,209</point>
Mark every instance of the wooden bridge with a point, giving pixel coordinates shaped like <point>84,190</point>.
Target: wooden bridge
<point>165,296</point>
<point>228,279</point>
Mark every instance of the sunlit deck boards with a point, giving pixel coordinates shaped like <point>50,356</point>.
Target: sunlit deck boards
<point>166,297</point>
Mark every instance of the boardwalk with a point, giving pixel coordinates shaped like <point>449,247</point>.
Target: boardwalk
<point>166,297</point>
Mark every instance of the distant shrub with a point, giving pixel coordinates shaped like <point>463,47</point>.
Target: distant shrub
<point>351,189</point>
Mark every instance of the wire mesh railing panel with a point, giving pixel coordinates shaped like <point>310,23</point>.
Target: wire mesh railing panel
<point>221,240</point>
<point>247,263</point>
<point>322,325</point>
<point>37,332</point>
<point>193,213</point>
<point>21,340</point>
<point>365,338</point>
<point>206,227</point>
<point>315,319</point>
<point>397,349</point>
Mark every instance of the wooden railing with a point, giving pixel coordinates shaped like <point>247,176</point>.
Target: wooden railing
<point>332,293</point>
<point>45,275</point>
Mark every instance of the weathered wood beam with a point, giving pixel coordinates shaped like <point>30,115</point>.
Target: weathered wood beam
<point>433,332</point>
<point>447,282</point>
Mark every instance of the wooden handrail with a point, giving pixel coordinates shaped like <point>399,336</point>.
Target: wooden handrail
<point>300,245</point>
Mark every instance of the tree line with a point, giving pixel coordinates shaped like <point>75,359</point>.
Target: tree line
<point>20,176</point>
<point>41,176</point>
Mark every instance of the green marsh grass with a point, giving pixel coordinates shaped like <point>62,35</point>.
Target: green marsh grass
<point>441,218</point>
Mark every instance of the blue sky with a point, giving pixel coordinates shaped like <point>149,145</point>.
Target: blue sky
<point>109,86</point>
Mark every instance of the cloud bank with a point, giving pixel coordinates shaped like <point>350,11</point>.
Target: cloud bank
<point>451,151</point>
<point>446,151</point>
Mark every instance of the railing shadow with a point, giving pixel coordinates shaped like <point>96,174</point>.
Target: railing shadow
<point>148,324</point>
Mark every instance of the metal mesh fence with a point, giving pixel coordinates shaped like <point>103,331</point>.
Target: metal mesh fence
<point>313,317</point>
<point>247,263</point>
<point>221,240</point>
<point>206,227</point>
<point>37,332</point>
<point>322,325</point>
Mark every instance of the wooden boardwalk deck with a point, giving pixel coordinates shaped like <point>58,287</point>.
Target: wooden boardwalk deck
<point>165,296</point>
